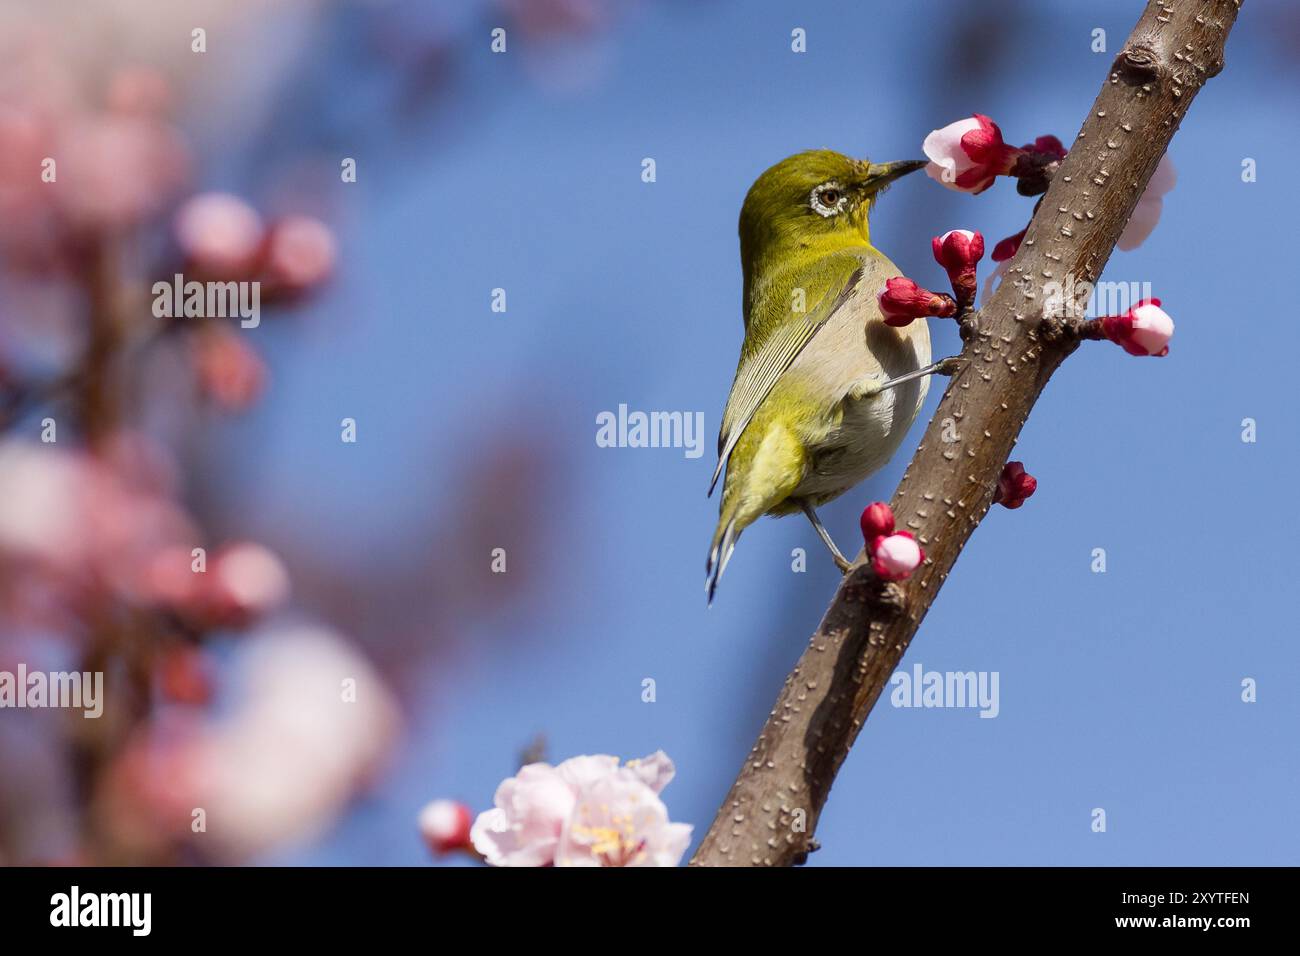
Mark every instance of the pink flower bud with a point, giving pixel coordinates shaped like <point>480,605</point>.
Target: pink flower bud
<point>969,154</point>
<point>228,369</point>
<point>877,521</point>
<point>1144,329</point>
<point>894,557</point>
<point>902,300</point>
<point>1149,207</point>
<point>1008,247</point>
<point>300,253</point>
<point>246,581</point>
<point>1014,485</point>
<point>445,824</point>
<point>220,234</point>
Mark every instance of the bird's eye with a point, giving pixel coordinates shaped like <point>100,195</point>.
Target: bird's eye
<point>827,199</point>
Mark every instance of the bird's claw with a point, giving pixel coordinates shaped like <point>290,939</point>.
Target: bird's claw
<point>951,365</point>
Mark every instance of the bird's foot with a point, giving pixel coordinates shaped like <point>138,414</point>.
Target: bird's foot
<point>873,387</point>
<point>951,365</point>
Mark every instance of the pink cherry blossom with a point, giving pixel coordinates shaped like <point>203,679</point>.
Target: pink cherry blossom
<point>588,811</point>
<point>523,829</point>
<point>620,821</point>
<point>276,764</point>
<point>655,771</point>
<point>969,154</point>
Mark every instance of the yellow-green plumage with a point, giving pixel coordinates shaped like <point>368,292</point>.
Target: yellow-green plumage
<point>804,421</point>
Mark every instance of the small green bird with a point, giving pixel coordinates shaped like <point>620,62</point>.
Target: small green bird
<point>824,390</point>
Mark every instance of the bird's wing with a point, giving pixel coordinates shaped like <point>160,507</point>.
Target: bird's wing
<point>767,363</point>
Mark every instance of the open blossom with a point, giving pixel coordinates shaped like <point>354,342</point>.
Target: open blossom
<point>1014,485</point>
<point>969,154</point>
<point>277,763</point>
<point>1144,329</point>
<point>895,556</point>
<point>619,821</point>
<point>1148,209</point>
<point>902,300</point>
<point>587,811</point>
<point>445,824</point>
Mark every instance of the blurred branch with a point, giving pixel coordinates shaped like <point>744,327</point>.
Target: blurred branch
<point>96,400</point>
<point>770,815</point>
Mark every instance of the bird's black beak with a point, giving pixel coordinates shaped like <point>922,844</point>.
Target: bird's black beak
<point>880,175</point>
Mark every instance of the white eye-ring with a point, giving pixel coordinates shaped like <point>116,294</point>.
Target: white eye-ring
<point>828,199</point>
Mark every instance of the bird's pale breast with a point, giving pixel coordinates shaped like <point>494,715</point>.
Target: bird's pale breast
<point>858,436</point>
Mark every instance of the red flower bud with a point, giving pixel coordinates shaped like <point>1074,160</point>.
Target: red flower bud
<point>902,300</point>
<point>445,826</point>
<point>877,521</point>
<point>1014,485</point>
<point>958,250</point>
<point>1048,145</point>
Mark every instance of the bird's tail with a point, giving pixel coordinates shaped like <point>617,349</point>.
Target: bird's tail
<point>724,543</point>
<point>774,467</point>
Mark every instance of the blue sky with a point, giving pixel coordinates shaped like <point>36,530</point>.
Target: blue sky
<point>1118,690</point>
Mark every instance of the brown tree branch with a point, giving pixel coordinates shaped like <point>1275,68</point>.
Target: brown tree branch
<point>771,812</point>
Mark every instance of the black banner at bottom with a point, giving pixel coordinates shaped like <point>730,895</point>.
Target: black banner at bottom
<point>335,905</point>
